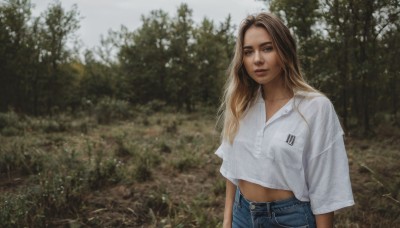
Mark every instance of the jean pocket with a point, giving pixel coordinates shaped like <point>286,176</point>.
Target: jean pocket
<point>293,217</point>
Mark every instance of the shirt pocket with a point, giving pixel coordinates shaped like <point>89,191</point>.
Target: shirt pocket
<point>288,149</point>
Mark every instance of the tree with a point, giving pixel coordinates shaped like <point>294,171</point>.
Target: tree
<point>212,50</point>
<point>40,46</point>
<point>181,77</point>
<point>99,79</point>
<point>145,59</point>
<point>176,61</point>
<point>14,16</point>
<point>59,26</point>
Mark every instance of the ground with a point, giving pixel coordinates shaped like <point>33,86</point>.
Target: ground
<point>158,170</point>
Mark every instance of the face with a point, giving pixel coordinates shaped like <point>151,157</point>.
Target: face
<point>260,58</point>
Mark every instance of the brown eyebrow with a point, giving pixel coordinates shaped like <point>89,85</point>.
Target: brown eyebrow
<point>263,44</point>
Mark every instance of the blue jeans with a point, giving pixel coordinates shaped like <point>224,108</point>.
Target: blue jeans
<point>283,213</point>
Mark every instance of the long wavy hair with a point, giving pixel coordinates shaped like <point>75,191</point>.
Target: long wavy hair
<point>240,89</point>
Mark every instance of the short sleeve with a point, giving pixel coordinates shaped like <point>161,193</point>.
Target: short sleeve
<point>226,166</point>
<point>327,169</point>
<point>222,149</point>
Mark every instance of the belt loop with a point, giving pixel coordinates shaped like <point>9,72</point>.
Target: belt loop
<point>238,196</point>
<point>269,209</point>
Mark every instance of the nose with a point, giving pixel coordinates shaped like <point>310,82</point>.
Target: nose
<point>258,59</point>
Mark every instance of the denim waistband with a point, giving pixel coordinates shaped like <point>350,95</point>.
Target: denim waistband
<point>266,207</point>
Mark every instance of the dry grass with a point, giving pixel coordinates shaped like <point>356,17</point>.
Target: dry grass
<point>157,170</point>
<point>375,174</point>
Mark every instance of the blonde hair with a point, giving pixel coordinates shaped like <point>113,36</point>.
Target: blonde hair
<point>240,89</point>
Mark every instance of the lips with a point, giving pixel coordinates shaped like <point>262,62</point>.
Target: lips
<point>260,72</point>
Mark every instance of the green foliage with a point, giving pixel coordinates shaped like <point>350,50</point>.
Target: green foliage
<point>347,50</point>
<point>175,61</point>
<point>59,181</point>
<point>165,148</point>
<point>106,171</point>
<point>20,157</point>
<point>8,119</point>
<point>156,105</point>
<point>301,19</point>
<point>108,110</point>
<point>144,63</point>
<point>57,186</point>
<point>143,171</point>
<point>123,148</point>
<point>185,163</point>
<point>143,165</point>
<point>219,187</point>
<point>13,211</point>
<point>39,44</point>
<point>100,79</point>
<point>171,127</point>
<point>10,124</point>
<point>151,107</point>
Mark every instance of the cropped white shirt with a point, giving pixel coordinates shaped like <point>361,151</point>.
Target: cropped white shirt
<point>303,153</point>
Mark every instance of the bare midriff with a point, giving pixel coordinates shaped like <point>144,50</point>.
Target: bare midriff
<point>258,193</point>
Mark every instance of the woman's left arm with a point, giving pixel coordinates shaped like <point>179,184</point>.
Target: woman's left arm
<point>327,166</point>
<point>324,220</point>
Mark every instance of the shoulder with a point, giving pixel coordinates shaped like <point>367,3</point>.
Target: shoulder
<point>315,106</point>
<point>313,100</point>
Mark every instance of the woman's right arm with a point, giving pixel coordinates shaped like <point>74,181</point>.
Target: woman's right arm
<point>229,199</point>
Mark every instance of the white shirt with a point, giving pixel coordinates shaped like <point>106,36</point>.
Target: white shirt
<point>303,153</point>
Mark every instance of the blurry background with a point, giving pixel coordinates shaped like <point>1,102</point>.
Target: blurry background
<point>108,108</point>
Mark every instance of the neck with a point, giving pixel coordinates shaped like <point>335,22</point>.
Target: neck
<point>276,92</point>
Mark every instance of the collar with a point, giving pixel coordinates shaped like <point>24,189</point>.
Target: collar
<point>287,107</point>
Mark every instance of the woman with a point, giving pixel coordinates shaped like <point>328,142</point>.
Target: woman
<point>282,147</point>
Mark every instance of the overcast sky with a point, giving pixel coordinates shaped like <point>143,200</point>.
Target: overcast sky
<point>101,15</point>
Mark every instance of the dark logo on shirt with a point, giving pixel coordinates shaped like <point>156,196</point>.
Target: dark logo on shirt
<point>290,139</point>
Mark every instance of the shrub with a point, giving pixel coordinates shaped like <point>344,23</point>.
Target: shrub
<point>104,171</point>
<point>143,172</point>
<point>47,125</point>
<point>108,110</point>
<point>10,131</point>
<point>165,148</point>
<point>55,193</point>
<point>8,119</point>
<point>185,163</point>
<point>21,158</point>
<point>123,149</point>
<point>159,202</point>
<point>219,187</point>
<point>13,210</point>
<point>156,105</point>
<point>171,127</point>
<point>10,124</point>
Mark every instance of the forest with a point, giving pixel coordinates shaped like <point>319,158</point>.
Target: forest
<point>348,50</point>
<point>85,133</point>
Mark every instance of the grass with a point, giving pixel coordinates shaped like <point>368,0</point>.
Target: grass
<point>375,173</point>
<point>152,169</point>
